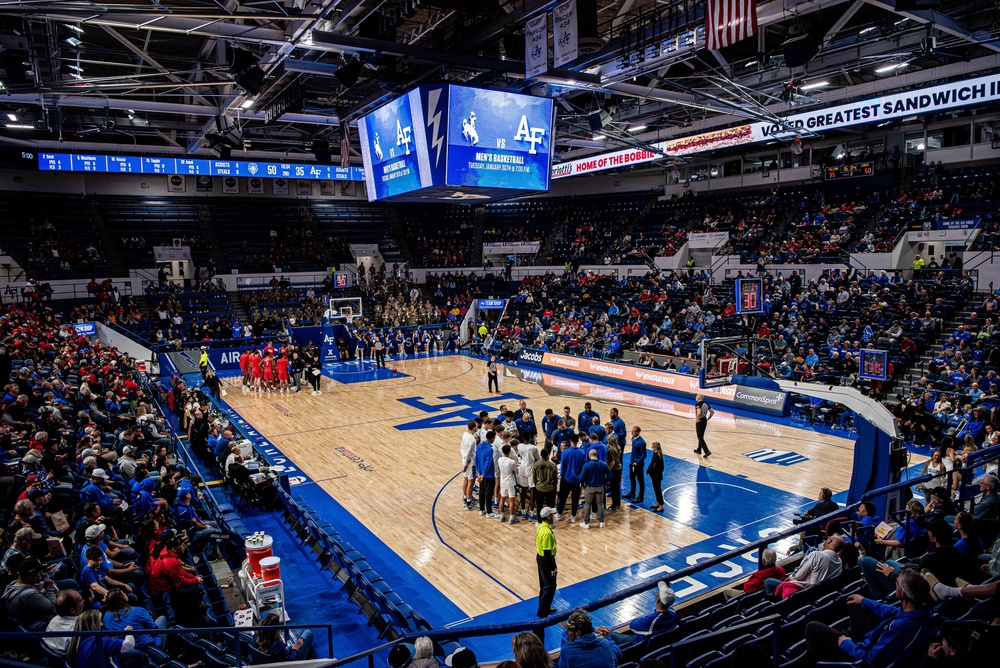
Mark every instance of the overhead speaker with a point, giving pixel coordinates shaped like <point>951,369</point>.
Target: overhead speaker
<point>348,74</point>
<point>598,120</point>
<point>248,76</point>
<point>800,50</point>
<point>321,149</point>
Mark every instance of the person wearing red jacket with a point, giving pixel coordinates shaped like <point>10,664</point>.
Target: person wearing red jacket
<point>755,582</point>
<point>169,572</point>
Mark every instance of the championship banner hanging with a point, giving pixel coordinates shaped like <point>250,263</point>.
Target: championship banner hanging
<point>536,46</point>
<point>565,34</point>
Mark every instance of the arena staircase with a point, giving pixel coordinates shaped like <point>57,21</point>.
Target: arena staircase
<point>477,236</point>
<point>916,371</point>
<point>111,248</point>
<point>396,249</point>
<point>238,310</point>
<point>205,216</point>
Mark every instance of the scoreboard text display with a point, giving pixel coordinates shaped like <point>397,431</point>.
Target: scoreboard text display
<point>135,164</point>
<point>749,296</point>
<point>874,365</point>
<point>850,171</point>
<point>458,144</point>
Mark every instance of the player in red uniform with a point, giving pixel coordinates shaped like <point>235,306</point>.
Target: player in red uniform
<point>245,368</point>
<point>257,368</point>
<point>268,364</point>
<point>282,366</point>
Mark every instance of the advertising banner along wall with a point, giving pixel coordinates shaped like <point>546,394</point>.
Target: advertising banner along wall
<point>950,95</point>
<point>754,399</point>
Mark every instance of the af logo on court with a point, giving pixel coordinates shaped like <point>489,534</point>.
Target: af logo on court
<point>456,411</point>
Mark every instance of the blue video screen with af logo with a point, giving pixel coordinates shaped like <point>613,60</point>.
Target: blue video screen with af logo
<point>498,139</point>
<point>391,155</point>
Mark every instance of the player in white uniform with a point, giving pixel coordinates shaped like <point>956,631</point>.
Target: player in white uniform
<point>468,452</point>
<point>507,473</point>
<point>527,456</point>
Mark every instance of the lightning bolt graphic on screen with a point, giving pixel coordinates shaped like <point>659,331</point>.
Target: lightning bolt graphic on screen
<point>434,117</point>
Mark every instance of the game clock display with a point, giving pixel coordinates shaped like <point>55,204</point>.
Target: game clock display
<point>749,296</point>
<point>874,365</point>
<point>850,171</point>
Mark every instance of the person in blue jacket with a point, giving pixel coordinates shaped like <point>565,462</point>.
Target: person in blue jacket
<point>582,647</point>
<point>561,434</point>
<point>887,635</point>
<point>586,418</point>
<point>487,475</point>
<point>637,466</point>
<point>549,424</point>
<point>571,461</point>
<point>119,614</point>
<point>83,651</point>
<point>526,429</point>
<point>618,425</point>
<point>661,620</point>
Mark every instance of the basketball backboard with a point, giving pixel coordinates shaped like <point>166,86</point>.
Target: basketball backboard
<point>724,357</point>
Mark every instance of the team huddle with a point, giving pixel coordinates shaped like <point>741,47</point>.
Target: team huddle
<point>519,471</point>
<point>280,370</point>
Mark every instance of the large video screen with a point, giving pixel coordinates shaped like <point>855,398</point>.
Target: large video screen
<point>390,150</point>
<point>498,139</point>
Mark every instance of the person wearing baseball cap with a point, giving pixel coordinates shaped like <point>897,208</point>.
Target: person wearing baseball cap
<point>463,657</point>
<point>581,647</point>
<point>662,619</point>
<point>545,559</point>
<point>31,599</point>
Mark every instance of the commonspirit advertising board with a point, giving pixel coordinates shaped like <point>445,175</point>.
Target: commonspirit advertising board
<point>764,401</point>
<point>887,107</point>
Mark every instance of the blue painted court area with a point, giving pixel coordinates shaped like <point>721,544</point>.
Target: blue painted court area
<point>359,372</point>
<point>363,371</point>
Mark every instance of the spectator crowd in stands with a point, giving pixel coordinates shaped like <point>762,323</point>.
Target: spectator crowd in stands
<point>100,522</point>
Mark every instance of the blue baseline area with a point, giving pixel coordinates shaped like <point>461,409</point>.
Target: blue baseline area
<point>363,371</point>
<point>730,509</point>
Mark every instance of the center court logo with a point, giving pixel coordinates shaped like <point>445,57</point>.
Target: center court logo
<point>456,411</point>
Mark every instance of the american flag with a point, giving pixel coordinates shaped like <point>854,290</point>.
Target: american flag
<point>729,21</point>
<point>345,144</point>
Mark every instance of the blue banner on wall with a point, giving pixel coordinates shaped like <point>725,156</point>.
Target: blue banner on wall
<point>328,349</point>
<point>958,223</point>
<point>491,304</point>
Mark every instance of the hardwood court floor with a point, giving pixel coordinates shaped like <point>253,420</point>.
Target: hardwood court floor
<point>407,491</point>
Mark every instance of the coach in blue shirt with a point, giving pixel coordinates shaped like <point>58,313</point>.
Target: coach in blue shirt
<point>571,461</point>
<point>487,474</point>
<point>595,476</point>
<point>618,425</point>
<point>891,636</point>
<point>562,433</point>
<point>526,429</point>
<point>636,466</point>
<point>585,418</point>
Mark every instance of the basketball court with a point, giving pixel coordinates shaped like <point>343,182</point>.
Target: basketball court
<point>379,449</point>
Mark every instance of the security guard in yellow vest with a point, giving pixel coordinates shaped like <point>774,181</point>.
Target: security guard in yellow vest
<point>545,558</point>
<point>203,362</point>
